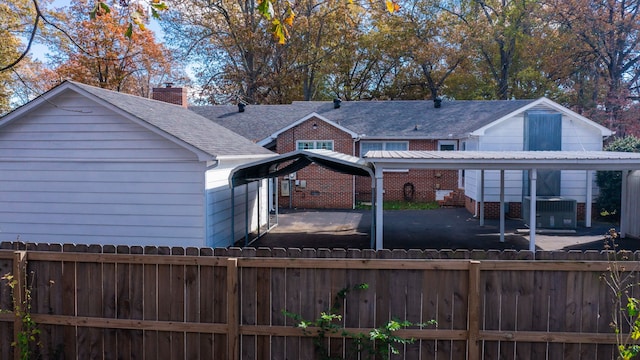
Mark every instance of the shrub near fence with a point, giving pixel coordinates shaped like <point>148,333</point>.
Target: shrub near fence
<point>152,303</point>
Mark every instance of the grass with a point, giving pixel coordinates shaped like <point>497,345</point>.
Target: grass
<point>402,205</point>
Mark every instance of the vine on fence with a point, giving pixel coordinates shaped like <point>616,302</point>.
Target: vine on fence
<point>625,317</point>
<point>27,337</point>
<point>380,342</point>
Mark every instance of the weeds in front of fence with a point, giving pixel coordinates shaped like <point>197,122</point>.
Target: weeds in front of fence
<point>27,336</point>
<point>380,342</point>
<point>625,317</point>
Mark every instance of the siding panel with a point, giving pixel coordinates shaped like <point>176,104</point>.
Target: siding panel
<point>79,172</point>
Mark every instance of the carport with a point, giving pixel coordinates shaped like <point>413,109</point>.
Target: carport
<point>532,161</point>
<point>375,163</point>
<point>288,163</point>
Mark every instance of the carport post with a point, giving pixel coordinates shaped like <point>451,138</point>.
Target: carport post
<point>379,207</point>
<point>233,214</point>
<point>589,199</point>
<point>502,205</point>
<point>624,203</point>
<point>373,214</point>
<point>533,176</point>
<point>482,197</point>
<point>246,214</point>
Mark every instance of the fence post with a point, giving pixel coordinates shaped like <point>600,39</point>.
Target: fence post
<point>19,296</point>
<point>233,310</point>
<point>473,322</point>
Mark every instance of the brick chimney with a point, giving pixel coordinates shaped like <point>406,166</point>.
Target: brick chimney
<point>170,94</point>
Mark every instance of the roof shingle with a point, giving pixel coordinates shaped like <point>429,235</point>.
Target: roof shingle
<point>370,119</point>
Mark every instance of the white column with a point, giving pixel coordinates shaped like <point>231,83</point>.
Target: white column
<point>624,204</point>
<point>588,204</point>
<point>379,208</point>
<point>501,205</point>
<point>481,197</point>
<point>533,177</point>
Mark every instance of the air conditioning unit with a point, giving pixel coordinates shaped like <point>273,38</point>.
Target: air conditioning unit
<point>553,212</point>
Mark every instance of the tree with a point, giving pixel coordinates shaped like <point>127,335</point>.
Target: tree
<point>610,182</point>
<point>609,32</point>
<point>506,54</point>
<point>13,15</point>
<point>430,46</point>
<point>239,60</point>
<point>99,52</point>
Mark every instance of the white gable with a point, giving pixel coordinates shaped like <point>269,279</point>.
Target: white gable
<point>544,103</point>
<point>298,122</point>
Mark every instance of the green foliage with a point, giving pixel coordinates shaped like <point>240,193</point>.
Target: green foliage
<point>377,343</point>
<point>403,205</point>
<point>28,335</point>
<point>610,182</point>
<point>625,317</point>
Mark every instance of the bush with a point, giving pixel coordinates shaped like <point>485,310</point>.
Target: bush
<point>610,182</point>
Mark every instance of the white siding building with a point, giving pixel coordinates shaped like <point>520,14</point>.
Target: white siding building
<point>86,165</point>
<point>559,129</point>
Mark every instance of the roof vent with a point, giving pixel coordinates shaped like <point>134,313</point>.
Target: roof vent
<point>241,107</point>
<point>336,103</point>
<point>437,103</point>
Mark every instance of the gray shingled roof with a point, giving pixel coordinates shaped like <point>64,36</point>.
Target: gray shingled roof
<point>179,122</point>
<point>373,119</point>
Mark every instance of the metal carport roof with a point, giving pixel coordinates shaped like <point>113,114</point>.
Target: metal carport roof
<point>296,160</point>
<point>291,162</point>
<point>375,162</point>
<point>500,160</point>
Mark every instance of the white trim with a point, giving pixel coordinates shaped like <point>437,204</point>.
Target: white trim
<point>298,122</point>
<point>384,144</point>
<point>315,144</point>
<point>544,101</point>
<point>448,142</point>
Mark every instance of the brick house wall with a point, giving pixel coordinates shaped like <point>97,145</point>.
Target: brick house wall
<point>325,189</point>
<point>331,190</point>
<point>417,185</point>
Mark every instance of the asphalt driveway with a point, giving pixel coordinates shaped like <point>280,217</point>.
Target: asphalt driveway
<point>451,228</point>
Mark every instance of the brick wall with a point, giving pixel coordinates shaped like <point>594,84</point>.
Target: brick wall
<point>412,184</point>
<point>324,188</point>
<point>171,95</point>
<point>328,189</point>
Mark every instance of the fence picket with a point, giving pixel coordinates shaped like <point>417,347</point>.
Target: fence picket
<point>177,304</point>
<point>192,283</point>
<point>118,286</point>
<point>150,298</point>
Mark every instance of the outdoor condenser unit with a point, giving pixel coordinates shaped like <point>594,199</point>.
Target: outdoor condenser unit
<point>553,212</point>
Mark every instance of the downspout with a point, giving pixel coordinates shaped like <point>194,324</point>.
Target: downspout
<point>207,233</point>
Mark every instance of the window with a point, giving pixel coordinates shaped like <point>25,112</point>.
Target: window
<point>314,144</point>
<point>447,145</point>
<point>383,145</point>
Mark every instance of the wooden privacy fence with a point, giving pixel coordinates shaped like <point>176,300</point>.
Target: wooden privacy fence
<point>159,303</point>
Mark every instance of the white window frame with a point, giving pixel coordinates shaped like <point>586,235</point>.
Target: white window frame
<point>384,144</point>
<point>446,143</point>
<point>316,144</point>
<point>384,147</point>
